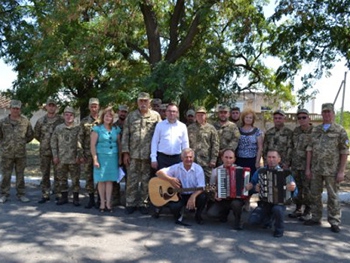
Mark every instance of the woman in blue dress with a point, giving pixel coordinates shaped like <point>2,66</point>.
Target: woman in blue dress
<point>106,154</point>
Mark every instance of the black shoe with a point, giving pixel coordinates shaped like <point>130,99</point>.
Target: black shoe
<point>91,202</point>
<point>130,209</point>
<point>43,200</point>
<point>143,210</point>
<point>199,219</point>
<point>295,214</point>
<point>223,219</point>
<point>335,228</point>
<point>178,222</point>
<point>238,227</point>
<point>312,223</point>
<point>278,234</point>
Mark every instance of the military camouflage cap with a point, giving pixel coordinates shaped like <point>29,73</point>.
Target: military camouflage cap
<point>190,113</point>
<point>223,108</point>
<point>94,101</point>
<point>280,112</point>
<point>156,101</point>
<point>123,108</point>
<point>69,109</point>
<point>15,104</point>
<point>305,111</point>
<point>143,96</point>
<point>328,106</point>
<point>201,109</point>
<point>163,106</point>
<point>50,101</point>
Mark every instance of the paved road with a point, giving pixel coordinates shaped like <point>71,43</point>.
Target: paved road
<point>48,233</point>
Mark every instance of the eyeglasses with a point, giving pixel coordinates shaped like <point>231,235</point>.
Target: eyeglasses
<point>302,118</point>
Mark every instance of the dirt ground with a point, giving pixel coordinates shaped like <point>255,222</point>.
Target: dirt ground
<point>34,170</point>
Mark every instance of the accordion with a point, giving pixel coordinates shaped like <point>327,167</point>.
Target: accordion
<point>231,182</point>
<point>273,186</point>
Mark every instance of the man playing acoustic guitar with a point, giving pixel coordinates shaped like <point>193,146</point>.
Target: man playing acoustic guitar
<point>186,174</point>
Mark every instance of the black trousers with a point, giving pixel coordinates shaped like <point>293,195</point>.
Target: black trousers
<point>175,207</point>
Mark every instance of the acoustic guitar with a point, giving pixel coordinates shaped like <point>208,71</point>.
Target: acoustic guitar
<point>161,191</point>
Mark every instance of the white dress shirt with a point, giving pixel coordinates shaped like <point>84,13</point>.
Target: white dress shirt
<point>169,138</point>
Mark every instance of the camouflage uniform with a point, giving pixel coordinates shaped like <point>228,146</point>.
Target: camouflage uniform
<point>280,140</point>
<point>326,147</point>
<point>228,135</point>
<point>14,135</point>
<point>86,125</point>
<point>300,140</point>
<point>136,140</point>
<point>43,130</point>
<point>204,141</point>
<point>67,148</point>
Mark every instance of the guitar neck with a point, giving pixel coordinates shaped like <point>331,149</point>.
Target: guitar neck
<point>181,190</point>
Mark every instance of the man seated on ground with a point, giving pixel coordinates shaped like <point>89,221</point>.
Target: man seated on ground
<point>220,208</point>
<point>186,174</point>
<point>266,212</point>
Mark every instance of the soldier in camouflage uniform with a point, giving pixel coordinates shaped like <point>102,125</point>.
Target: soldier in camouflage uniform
<point>86,125</point>
<point>236,116</point>
<point>138,130</point>
<point>300,140</point>
<point>15,132</point>
<point>228,132</point>
<point>67,155</point>
<point>279,138</point>
<point>43,130</point>
<point>122,114</point>
<point>204,140</point>
<point>156,104</point>
<point>325,164</point>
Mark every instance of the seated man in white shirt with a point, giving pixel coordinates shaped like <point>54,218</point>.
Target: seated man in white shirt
<point>186,174</point>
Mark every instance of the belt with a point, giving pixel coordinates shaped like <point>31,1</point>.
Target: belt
<point>167,155</point>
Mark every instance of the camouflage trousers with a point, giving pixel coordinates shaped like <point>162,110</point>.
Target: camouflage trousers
<point>7,165</point>
<point>207,173</point>
<point>62,175</point>
<point>139,173</point>
<point>303,184</point>
<point>89,176</point>
<point>45,167</point>
<point>333,205</point>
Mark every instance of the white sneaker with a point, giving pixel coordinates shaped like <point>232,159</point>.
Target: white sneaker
<point>3,199</point>
<point>24,199</point>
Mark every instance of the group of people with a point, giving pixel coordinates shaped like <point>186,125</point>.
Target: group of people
<point>151,141</point>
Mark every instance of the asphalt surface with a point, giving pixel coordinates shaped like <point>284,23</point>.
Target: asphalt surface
<point>33,232</point>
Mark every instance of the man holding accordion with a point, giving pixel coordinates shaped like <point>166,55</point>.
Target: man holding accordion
<point>275,187</point>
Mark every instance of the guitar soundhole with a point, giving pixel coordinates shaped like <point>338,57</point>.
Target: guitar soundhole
<point>170,191</point>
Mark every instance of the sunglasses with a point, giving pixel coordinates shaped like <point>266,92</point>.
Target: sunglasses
<point>302,118</point>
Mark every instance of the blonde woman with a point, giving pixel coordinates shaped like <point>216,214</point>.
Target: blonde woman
<point>106,154</point>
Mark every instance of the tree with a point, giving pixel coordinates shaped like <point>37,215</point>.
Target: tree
<point>193,52</point>
<point>309,31</point>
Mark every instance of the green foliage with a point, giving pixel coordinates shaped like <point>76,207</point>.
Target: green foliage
<point>192,52</point>
<point>346,119</point>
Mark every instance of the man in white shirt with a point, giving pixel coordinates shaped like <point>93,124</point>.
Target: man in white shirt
<point>186,174</point>
<point>169,139</point>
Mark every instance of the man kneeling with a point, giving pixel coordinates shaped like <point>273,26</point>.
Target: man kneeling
<point>186,174</point>
<point>220,208</point>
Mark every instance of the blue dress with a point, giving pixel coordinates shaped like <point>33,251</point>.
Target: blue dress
<point>107,154</point>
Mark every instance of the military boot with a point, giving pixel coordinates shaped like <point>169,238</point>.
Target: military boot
<point>76,199</point>
<point>91,202</point>
<point>63,199</point>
